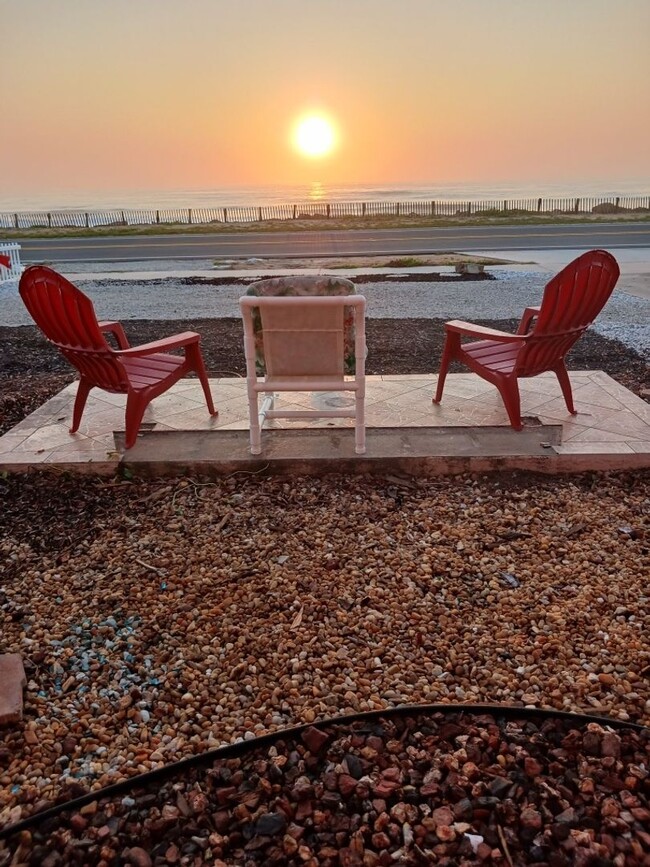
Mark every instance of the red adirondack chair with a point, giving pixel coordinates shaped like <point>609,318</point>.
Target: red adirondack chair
<point>571,302</point>
<point>67,318</point>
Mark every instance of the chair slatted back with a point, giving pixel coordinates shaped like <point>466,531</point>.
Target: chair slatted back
<point>571,302</point>
<point>67,319</point>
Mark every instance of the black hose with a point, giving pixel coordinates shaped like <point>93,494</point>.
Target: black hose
<point>235,750</point>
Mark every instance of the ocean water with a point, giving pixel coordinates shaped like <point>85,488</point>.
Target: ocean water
<point>318,192</point>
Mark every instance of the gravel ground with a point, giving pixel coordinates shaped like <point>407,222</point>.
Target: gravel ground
<point>427,788</point>
<point>626,317</point>
<point>159,619</point>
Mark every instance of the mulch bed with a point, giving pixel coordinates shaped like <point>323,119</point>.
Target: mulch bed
<point>359,279</point>
<point>429,788</point>
<point>31,371</point>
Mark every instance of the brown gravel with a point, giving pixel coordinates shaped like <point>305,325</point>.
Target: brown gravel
<point>159,619</point>
<point>425,788</point>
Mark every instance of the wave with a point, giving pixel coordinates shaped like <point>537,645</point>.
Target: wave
<point>317,192</point>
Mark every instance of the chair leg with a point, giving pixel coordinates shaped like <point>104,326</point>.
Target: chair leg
<point>136,404</point>
<point>83,389</point>
<point>509,391</point>
<point>254,423</point>
<point>565,384</point>
<point>198,365</point>
<point>360,426</point>
<point>452,340</point>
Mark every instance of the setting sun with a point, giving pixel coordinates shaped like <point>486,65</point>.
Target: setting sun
<point>314,136</point>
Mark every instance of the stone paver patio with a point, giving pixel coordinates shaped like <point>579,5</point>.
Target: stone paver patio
<point>469,430</point>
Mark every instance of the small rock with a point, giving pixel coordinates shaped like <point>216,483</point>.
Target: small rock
<point>385,788</point>
<point>314,739</point>
<point>611,745</point>
<point>532,767</point>
<point>380,840</point>
<point>172,854</point>
<point>531,818</point>
<point>443,816</point>
<point>78,822</point>
<point>347,785</point>
<point>499,786</point>
<point>445,833</point>
<point>567,816</point>
<point>138,857</point>
<point>270,824</point>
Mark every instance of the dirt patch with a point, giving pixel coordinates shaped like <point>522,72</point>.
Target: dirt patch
<point>423,277</point>
<point>437,259</point>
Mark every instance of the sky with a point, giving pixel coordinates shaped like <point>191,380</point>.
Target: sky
<point>196,94</point>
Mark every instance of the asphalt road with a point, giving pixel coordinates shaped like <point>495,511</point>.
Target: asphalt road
<point>266,245</point>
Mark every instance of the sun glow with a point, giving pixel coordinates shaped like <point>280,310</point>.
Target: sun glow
<point>314,136</point>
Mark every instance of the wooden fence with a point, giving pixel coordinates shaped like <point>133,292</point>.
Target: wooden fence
<point>323,210</point>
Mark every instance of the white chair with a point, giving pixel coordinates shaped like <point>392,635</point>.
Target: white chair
<point>10,266</point>
<point>298,340</point>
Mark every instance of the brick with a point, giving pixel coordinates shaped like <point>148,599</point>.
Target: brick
<point>12,681</point>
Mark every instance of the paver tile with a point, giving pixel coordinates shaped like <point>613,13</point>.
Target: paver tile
<point>12,681</point>
<point>610,417</point>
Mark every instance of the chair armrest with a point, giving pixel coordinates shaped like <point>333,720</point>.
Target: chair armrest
<point>187,338</point>
<point>529,314</point>
<point>116,329</point>
<point>471,330</point>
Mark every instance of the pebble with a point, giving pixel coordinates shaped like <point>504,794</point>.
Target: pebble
<point>138,857</point>
<point>392,610</point>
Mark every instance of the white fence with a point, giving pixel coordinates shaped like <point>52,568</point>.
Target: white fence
<point>15,269</point>
<point>322,210</point>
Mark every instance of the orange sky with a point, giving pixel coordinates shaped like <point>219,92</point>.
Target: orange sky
<point>156,94</point>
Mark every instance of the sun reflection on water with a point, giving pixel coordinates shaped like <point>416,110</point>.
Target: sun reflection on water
<point>317,192</point>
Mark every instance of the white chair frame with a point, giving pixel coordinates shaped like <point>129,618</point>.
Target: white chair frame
<point>270,385</point>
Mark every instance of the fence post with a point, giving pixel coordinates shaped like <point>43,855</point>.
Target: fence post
<point>189,216</point>
<point>294,212</point>
<point>123,219</point>
<point>363,210</point>
<point>539,205</point>
<point>328,211</point>
<point>259,215</point>
<point>157,216</point>
<point>618,199</point>
<point>87,221</point>
<point>225,215</point>
<point>505,206</point>
<point>49,220</point>
<point>397,209</point>
<point>469,208</point>
<point>576,207</point>
<point>16,221</point>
